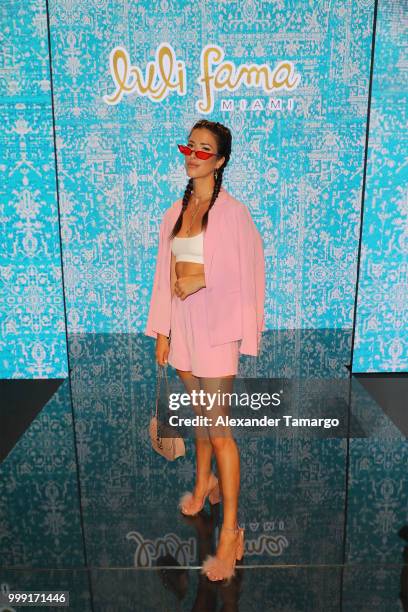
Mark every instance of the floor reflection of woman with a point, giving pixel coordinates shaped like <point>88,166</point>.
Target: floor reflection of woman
<point>207,306</point>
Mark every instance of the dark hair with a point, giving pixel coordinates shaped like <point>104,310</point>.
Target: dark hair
<point>224,138</point>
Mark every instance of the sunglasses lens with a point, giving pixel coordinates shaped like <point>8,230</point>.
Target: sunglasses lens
<point>184,150</point>
<point>199,154</point>
<point>203,155</point>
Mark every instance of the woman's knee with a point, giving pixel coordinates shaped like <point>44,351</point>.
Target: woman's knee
<point>185,374</point>
<point>222,440</point>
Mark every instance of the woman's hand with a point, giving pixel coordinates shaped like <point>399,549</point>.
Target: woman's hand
<point>162,349</point>
<point>185,285</point>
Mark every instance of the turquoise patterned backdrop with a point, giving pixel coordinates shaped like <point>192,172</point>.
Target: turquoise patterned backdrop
<point>381,341</point>
<point>33,324</point>
<point>92,188</point>
<point>299,167</point>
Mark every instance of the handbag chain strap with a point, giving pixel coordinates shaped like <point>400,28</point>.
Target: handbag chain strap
<point>161,370</point>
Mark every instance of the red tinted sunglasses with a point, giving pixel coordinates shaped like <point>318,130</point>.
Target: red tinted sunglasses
<point>199,154</point>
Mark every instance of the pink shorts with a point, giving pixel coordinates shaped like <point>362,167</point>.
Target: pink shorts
<point>190,347</point>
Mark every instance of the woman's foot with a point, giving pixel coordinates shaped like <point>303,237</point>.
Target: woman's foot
<point>230,548</point>
<point>192,503</point>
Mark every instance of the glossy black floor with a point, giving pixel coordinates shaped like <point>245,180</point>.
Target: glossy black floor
<point>87,507</point>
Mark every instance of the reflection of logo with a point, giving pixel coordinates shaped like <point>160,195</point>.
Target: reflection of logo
<point>147,551</point>
<point>269,545</point>
<point>4,591</point>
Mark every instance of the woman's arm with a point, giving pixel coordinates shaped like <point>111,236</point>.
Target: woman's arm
<point>158,319</point>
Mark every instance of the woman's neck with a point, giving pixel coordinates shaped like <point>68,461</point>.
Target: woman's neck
<point>203,191</point>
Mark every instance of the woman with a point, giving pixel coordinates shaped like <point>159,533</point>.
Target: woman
<point>207,306</point>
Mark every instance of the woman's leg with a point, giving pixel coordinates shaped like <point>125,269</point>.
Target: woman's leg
<point>203,446</point>
<point>230,541</point>
<point>228,463</point>
<point>224,445</point>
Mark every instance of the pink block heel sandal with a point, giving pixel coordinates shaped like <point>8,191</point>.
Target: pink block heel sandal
<point>213,566</point>
<point>189,506</point>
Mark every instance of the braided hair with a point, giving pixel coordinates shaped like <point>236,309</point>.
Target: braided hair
<point>224,138</point>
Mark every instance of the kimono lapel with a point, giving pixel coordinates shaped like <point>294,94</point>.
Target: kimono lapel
<point>212,233</point>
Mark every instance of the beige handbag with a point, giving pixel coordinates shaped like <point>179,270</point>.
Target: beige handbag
<point>165,440</point>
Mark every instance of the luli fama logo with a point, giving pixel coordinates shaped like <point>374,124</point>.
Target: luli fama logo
<point>166,73</point>
<point>184,552</point>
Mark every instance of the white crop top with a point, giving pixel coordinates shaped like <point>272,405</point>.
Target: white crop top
<point>189,248</point>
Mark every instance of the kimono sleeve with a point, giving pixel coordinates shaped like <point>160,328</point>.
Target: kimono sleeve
<point>252,282</point>
<point>159,316</point>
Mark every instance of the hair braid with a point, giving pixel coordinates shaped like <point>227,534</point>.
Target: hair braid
<point>216,191</point>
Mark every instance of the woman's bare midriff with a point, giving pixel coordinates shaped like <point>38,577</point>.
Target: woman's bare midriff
<point>185,268</point>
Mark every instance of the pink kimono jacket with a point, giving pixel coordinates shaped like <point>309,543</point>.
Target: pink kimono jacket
<point>234,270</point>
